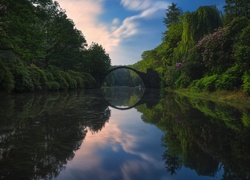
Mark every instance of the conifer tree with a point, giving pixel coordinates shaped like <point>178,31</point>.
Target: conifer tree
<point>172,15</point>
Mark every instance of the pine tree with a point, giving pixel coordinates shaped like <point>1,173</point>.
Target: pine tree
<point>172,15</point>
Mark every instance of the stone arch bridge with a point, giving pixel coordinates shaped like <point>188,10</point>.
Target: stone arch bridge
<point>150,79</point>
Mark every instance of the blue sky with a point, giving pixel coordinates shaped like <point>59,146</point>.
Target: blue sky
<point>125,28</point>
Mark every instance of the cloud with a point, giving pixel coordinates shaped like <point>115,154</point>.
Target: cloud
<point>130,25</point>
<point>115,21</point>
<point>86,15</point>
<point>136,4</point>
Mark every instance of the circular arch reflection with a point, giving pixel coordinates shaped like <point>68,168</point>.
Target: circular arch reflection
<point>123,98</point>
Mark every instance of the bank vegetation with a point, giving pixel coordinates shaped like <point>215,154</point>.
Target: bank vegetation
<point>204,51</point>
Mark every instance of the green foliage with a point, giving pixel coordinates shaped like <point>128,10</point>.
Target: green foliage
<point>215,52</point>
<point>206,83</point>
<point>59,77</point>
<point>78,77</point>
<point>98,62</point>
<point>89,80</point>
<point>173,14</point>
<point>53,86</point>
<point>187,38</point>
<point>242,55</point>
<point>231,79</point>
<point>192,125</point>
<point>170,41</point>
<point>242,48</point>
<point>41,49</point>
<point>195,25</point>
<point>38,77</point>
<point>208,19</point>
<point>193,67</point>
<point>183,81</point>
<point>70,80</point>
<point>246,82</point>
<point>246,119</point>
<point>7,82</point>
<point>235,8</point>
<point>23,81</point>
<point>171,76</point>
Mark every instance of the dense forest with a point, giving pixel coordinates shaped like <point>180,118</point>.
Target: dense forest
<point>41,49</point>
<point>204,50</point>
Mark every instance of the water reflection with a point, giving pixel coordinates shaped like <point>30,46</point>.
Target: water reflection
<point>203,136</point>
<point>124,98</point>
<point>77,135</point>
<point>40,133</point>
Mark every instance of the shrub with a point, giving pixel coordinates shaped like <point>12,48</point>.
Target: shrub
<point>23,80</point>
<point>215,50</point>
<point>171,76</point>
<point>183,81</point>
<point>242,48</point>
<point>207,83</point>
<point>230,79</point>
<point>77,77</point>
<point>7,82</point>
<point>70,80</point>
<point>246,82</point>
<point>242,55</point>
<point>53,85</point>
<point>38,77</point>
<point>58,76</point>
<point>89,80</point>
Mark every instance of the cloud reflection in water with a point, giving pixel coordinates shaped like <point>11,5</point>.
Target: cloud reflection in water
<point>125,149</point>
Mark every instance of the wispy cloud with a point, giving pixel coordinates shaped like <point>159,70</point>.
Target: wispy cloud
<point>136,4</point>
<point>86,13</point>
<point>131,25</point>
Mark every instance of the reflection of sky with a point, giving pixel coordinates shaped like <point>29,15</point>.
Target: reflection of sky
<point>126,148</point>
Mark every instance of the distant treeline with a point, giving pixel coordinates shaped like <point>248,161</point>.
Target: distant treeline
<point>205,49</point>
<point>41,49</point>
<point>123,77</point>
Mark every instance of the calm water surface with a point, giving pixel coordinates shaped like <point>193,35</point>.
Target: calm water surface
<point>120,134</point>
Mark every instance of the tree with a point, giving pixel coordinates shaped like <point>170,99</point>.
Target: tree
<point>172,15</point>
<point>38,43</point>
<point>18,28</point>
<point>236,8</point>
<point>97,62</point>
<point>171,39</point>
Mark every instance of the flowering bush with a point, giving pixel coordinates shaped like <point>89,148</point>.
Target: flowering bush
<point>215,50</point>
<point>179,65</point>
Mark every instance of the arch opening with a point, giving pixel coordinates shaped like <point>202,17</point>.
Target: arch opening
<point>123,76</point>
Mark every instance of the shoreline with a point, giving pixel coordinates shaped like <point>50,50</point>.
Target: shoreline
<point>236,99</point>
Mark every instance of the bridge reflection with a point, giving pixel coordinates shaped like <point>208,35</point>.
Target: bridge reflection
<point>125,98</point>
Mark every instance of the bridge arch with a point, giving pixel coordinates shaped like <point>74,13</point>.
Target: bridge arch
<point>140,74</point>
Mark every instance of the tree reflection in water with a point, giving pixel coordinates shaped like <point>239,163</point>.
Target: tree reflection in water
<point>203,136</point>
<point>40,133</point>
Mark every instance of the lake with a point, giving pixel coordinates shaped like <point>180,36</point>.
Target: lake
<point>121,134</point>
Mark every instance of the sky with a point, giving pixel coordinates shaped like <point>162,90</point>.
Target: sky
<point>125,28</point>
